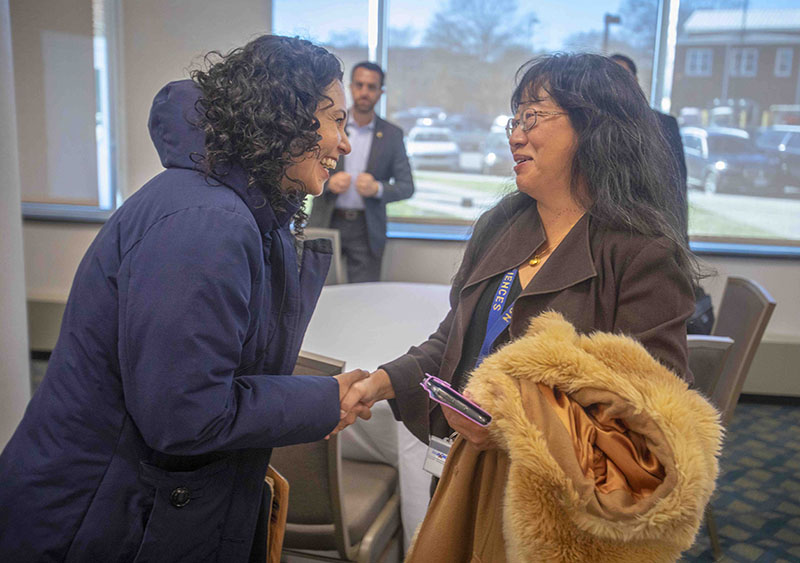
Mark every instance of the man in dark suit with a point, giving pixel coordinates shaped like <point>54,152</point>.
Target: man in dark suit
<point>703,319</point>
<point>375,173</point>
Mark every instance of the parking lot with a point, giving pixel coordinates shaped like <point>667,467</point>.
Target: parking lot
<point>465,196</point>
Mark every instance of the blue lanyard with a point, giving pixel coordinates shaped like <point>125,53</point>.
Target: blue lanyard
<point>499,314</point>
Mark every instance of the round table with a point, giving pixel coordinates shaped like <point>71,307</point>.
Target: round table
<point>366,325</point>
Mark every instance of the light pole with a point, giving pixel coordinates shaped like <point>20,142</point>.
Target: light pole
<point>608,19</point>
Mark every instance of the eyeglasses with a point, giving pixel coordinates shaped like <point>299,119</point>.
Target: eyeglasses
<point>528,121</point>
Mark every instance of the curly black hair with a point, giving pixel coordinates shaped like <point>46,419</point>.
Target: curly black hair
<point>257,108</point>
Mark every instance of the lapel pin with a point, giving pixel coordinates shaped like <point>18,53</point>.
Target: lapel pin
<point>379,134</point>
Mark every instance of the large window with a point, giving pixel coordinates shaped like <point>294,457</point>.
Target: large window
<point>342,27</point>
<point>450,68</point>
<point>63,97</point>
<point>738,121</point>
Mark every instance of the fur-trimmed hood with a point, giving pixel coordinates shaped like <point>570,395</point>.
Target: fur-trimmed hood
<point>606,454</point>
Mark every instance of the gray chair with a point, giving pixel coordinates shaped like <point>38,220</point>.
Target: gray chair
<point>742,317</point>
<point>339,510</point>
<point>707,356</point>
<point>336,274</point>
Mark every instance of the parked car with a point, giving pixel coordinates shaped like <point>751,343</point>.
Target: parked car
<point>468,130</point>
<point>724,159</point>
<point>783,143</point>
<point>497,157</point>
<point>407,119</point>
<point>432,147</point>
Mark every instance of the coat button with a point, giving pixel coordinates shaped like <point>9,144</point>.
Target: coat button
<point>180,497</point>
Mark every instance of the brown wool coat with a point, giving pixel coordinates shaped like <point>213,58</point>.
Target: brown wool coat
<point>532,499</point>
<point>599,279</point>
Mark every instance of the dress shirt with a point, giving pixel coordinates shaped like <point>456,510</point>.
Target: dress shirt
<point>356,162</point>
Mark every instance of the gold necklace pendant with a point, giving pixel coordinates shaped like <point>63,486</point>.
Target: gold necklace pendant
<point>537,257</point>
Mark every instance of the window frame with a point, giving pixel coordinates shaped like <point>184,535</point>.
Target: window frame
<point>699,62</point>
<point>740,57</point>
<point>57,211</point>
<point>781,61</point>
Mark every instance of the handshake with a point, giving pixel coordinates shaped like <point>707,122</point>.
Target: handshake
<point>358,391</point>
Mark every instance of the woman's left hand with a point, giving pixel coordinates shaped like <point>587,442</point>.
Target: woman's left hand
<point>473,433</point>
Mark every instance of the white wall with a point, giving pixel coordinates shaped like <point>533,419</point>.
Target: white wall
<point>162,41</point>
<point>14,364</point>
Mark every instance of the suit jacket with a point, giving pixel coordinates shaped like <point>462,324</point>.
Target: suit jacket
<point>669,127</point>
<point>598,278</point>
<point>388,163</point>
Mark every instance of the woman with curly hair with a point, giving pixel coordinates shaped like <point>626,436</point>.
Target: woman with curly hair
<point>150,435</point>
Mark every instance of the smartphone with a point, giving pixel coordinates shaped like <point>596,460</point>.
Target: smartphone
<point>441,392</point>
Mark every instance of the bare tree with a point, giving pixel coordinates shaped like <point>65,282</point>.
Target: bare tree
<point>482,29</point>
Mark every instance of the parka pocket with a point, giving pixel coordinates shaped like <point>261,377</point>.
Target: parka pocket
<point>188,513</point>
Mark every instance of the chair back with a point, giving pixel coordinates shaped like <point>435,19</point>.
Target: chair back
<point>314,473</point>
<point>707,356</point>
<point>336,274</point>
<point>742,315</point>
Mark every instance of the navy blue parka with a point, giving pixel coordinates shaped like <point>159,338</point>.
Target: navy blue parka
<point>150,435</point>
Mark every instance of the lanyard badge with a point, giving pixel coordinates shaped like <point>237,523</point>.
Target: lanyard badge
<point>436,456</point>
<point>499,314</point>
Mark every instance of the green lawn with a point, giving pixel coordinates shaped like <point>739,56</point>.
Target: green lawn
<point>703,222</point>
<point>475,182</point>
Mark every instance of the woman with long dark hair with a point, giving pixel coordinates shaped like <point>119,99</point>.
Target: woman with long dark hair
<point>588,234</point>
<point>589,230</point>
<point>150,435</point>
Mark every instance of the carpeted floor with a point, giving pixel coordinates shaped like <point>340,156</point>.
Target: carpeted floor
<point>757,503</point>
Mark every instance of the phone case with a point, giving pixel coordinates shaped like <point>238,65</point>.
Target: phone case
<point>441,392</point>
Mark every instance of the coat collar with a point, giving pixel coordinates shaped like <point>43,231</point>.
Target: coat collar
<point>258,204</point>
<point>570,263</point>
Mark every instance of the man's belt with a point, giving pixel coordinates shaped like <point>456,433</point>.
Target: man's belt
<point>348,214</point>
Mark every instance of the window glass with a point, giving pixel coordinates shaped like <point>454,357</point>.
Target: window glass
<point>62,99</point>
<point>690,142</point>
<point>747,185</point>
<point>783,62</point>
<point>728,144</point>
<point>341,27</point>
<point>770,138</point>
<point>744,61</point>
<point>450,68</point>
<point>698,62</point>
<point>450,71</point>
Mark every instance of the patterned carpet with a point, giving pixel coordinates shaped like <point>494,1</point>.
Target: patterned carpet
<point>757,503</point>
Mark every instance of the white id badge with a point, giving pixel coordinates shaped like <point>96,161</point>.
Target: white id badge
<point>438,448</point>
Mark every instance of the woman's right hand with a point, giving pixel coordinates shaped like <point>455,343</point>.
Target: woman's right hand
<point>362,395</point>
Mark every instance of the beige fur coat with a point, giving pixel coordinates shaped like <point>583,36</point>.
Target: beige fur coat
<point>603,455</point>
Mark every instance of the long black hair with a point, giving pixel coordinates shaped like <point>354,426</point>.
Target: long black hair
<point>257,110</point>
<point>621,154</point>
